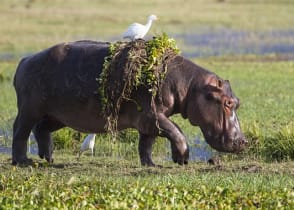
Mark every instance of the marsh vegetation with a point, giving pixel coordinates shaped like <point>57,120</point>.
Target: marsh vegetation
<point>248,42</point>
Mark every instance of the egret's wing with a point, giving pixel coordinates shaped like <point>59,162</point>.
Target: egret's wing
<point>92,144</point>
<point>133,30</point>
<point>85,144</point>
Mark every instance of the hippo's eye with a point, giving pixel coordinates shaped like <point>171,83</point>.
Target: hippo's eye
<point>209,97</point>
<point>213,96</point>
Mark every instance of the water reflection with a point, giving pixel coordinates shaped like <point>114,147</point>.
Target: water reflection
<point>200,150</point>
<point>5,145</point>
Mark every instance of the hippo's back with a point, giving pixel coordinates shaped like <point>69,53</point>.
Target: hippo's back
<point>66,68</point>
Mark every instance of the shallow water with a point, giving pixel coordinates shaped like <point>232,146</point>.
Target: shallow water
<point>5,150</point>
<point>200,150</point>
<point>224,41</point>
<point>205,42</point>
<point>5,145</point>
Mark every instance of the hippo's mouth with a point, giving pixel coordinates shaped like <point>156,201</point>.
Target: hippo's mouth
<point>223,144</point>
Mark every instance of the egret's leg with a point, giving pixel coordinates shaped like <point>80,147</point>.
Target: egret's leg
<point>79,155</point>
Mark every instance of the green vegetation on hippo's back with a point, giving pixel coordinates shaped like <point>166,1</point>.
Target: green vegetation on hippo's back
<point>131,65</point>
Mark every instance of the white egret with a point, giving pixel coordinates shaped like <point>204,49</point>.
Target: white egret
<point>88,144</point>
<point>137,30</point>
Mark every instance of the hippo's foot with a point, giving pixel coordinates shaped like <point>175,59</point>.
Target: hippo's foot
<point>49,159</point>
<point>41,155</point>
<point>22,161</point>
<point>147,162</point>
<point>180,161</point>
<point>179,158</point>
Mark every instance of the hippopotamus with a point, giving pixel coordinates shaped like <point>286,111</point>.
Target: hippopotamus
<point>57,88</point>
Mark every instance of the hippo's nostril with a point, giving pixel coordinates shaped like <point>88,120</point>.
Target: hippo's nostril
<point>244,141</point>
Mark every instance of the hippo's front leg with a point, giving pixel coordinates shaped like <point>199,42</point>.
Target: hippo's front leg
<point>179,146</point>
<point>145,149</point>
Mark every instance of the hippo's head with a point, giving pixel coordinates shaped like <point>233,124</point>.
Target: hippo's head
<point>212,106</point>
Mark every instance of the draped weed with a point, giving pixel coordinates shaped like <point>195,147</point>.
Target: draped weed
<point>129,67</point>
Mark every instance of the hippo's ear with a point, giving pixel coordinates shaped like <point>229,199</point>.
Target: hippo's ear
<point>219,84</point>
<point>216,84</point>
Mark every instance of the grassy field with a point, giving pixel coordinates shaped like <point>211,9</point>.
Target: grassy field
<point>31,25</point>
<point>114,179</point>
<point>261,178</point>
<point>104,183</point>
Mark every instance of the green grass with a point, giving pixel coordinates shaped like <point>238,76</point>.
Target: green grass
<point>114,178</point>
<point>8,98</point>
<point>28,26</point>
<point>119,184</point>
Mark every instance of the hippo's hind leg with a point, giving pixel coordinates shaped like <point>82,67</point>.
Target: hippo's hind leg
<point>42,131</point>
<point>21,130</point>
<point>145,149</point>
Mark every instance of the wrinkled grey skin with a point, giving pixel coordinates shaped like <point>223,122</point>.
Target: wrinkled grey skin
<point>57,87</point>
